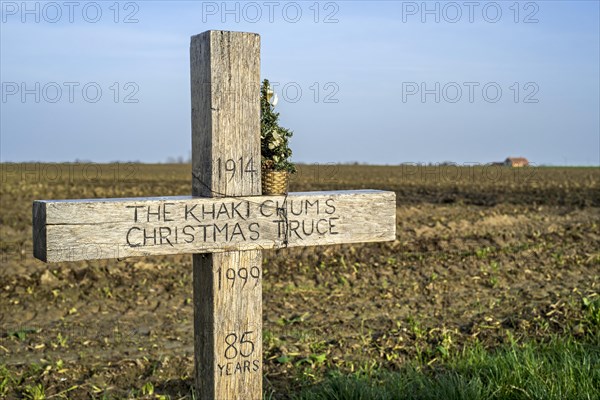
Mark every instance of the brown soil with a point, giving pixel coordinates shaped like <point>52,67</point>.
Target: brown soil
<point>474,260</point>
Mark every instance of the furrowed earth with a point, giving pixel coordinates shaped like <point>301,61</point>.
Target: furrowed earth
<point>481,255</point>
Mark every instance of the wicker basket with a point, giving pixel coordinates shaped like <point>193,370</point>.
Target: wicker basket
<point>274,182</point>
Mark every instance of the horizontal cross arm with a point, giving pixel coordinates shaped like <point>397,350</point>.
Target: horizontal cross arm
<point>71,230</point>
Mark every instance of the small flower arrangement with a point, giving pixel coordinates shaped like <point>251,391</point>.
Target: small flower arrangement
<point>274,139</point>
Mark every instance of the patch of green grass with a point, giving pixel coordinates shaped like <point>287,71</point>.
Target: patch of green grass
<point>561,368</point>
<point>591,309</point>
<point>22,333</point>
<point>483,252</point>
<point>34,392</point>
<point>5,380</point>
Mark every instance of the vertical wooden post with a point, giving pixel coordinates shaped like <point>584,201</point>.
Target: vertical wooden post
<point>225,82</point>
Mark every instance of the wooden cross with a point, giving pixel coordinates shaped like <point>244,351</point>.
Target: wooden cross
<point>224,224</point>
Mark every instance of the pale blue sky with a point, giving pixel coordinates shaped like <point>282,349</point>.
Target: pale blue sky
<point>369,58</point>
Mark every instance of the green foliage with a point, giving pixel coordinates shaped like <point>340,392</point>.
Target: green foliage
<point>274,139</point>
<point>591,309</point>
<point>148,388</point>
<point>5,381</point>
<point>559,369</point>
<point>34,392</point>
<point>22,333</point>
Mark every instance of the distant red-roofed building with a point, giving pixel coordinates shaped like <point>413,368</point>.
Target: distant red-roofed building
<point>516,162</point>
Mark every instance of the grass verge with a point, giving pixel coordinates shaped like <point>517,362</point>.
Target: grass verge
<point>560,368</point>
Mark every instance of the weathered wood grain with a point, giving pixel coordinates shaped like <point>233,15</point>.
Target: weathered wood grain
<point>115,228</point>
<point>225,79</point>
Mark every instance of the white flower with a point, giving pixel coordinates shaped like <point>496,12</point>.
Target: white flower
<point>275,100</point>
<point>274,143</point>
